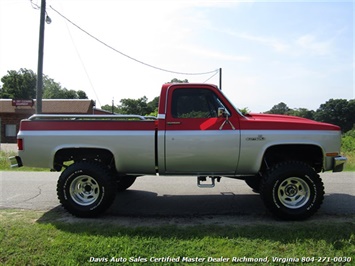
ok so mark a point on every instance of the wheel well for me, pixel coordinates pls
(80, 154)
(310, 154)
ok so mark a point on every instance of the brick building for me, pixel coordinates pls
(11, 113)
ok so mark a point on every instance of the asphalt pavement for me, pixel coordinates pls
(154, 196)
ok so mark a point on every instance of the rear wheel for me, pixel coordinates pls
(86, 189)
(292, 191)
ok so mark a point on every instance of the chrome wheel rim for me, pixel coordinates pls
(293, 192)
(84, 190)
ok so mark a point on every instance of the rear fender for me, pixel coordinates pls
(65, 154)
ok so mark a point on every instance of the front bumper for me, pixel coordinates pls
(339, 163)
(15, 161)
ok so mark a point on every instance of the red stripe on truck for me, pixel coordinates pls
(87, 125)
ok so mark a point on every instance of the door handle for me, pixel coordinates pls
(173, 123)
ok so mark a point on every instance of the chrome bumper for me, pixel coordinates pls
(339, 163)
(15, 161)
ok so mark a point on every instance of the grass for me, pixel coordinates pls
(38, 238)
(5, 163)
(350, 164)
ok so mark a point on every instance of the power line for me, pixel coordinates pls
(83, 65)
(211, 76)
(34, 5)
(130, 57)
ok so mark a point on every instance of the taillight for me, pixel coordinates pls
(20, 144)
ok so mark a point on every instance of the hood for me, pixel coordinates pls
(285, 122)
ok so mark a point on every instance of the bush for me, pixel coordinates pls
(348, 149)
(348, 141)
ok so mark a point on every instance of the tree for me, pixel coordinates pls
(153, 105)
(19, 84)
(338, 112)
(175, 80)
(348, 141)
(131, 106)
(108, 107)
(280, 109)
(22, 85)
(53, 90)
(244, 110)
(302, 112)
(139, 106)
(81, 94)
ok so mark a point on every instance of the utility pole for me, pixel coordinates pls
(39, 87)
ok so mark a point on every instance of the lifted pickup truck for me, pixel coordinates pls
(197, 132)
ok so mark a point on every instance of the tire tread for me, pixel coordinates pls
(288, 167)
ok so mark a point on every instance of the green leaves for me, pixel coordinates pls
(22, 85)
(19, 84)
(139, 106)
(339, 112)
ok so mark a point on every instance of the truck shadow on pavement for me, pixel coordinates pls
(137, 202)
(135, 208)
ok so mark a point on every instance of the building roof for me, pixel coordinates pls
(51, 106)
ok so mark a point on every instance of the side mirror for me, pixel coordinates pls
(222, 112)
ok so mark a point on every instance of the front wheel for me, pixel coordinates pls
(292, 191)
(86, 189)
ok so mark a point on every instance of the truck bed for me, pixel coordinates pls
(131, 140)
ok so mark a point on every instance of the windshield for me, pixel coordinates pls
(238, 111)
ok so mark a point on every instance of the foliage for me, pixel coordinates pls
(52, 238)
(22, 85)
(335, 111)
(339, 112)
(302, 112)
(131, 106)
(348, 141)
(175, 80)
(348, 149)
(280, 109)
(244, 110)
(19, 84)
(350, 133)
(139, 106)
(195, 114)
(350, 163)
(53, 90)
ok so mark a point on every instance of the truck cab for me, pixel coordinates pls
(194, 121)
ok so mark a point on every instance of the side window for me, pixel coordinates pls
(193, 103)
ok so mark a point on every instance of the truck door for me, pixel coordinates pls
(197, 140)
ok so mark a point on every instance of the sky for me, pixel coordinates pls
(297, 52)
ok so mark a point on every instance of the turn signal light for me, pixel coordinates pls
(331, 154)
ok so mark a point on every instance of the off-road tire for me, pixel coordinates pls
(86, 189)
(292, 190)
